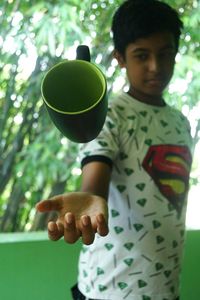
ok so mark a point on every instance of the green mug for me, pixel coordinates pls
(75, 95)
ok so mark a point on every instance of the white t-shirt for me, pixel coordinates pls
(148, 147)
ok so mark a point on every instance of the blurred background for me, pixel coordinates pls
(36, 161)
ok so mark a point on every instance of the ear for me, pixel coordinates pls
(120, 59)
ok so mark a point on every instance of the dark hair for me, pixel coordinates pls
(140, 18)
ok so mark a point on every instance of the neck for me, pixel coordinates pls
(156, 100)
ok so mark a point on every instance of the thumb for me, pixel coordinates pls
(52, 204)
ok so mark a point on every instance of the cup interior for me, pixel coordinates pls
(73, 87)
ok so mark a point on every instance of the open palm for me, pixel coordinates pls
(79, 214)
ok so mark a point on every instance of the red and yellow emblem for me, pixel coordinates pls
(169, 166)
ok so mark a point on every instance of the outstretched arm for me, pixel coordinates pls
(81, 213)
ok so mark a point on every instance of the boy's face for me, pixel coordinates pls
(149, 64)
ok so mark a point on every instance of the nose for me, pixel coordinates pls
(154, 64)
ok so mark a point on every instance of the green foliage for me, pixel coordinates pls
(35, 160)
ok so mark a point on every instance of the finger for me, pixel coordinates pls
(71, 234)
(102, 226)
(88, 233)
(54, 203)
(54, 232)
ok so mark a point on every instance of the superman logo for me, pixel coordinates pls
(169, 166)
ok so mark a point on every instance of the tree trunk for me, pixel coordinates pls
(9, 220)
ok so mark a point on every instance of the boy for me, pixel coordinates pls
(136, 171)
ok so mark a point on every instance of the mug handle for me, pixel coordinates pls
(83, 53)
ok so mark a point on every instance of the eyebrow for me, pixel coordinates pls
(139, 50)
(166, 47)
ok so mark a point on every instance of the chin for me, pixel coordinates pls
(155, 92)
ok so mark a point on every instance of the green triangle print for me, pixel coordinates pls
(120, 107)
(142, 283)
(131, 118)
(144, 129)
(84, 249)
(110, 125)
(172, 289)
(88, 289)
(103, 144)
(129, 246)
(142, 202)
(174, 244)
(178, 131)
(144, 297)
(86, 153)
(109, 246)
(163, 123)
(176, 260)
(143, 113)
(122, 285)
(85, 274)
(102, 288)
(100, 271)
(128, 261)
(170, 207)
(140, 186)
(167, 273)
(128, 171)
(123, 156)
(158, 266)
(121, 188)
(160, 239)
(148, 142)
(156, 224)
(138, 227)
(114, 213)
(130, 132)
(118, 229)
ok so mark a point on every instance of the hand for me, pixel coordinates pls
(79, 214)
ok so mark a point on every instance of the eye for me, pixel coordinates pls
(167, 54)
(142, 56)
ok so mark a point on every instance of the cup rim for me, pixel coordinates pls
(95, 68)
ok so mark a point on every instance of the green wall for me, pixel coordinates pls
(190, 285)
(33, 268)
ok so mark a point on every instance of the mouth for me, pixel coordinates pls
(155, 81)
(156, 84)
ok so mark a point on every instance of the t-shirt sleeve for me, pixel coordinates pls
(183, 121)
(118, 130)
(106, 146)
